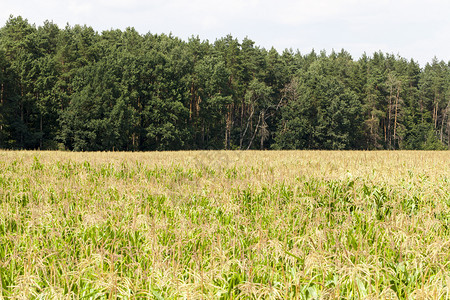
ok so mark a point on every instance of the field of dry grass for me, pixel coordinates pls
(225, 225)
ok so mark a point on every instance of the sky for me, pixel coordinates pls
(413, 29)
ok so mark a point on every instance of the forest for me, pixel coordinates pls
(77, 89)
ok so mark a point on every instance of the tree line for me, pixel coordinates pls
(77, 89)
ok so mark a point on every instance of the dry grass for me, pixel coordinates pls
(230, 225)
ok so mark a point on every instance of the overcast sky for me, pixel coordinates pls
(418, 29)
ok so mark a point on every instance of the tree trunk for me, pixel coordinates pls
(226, 135)
(42, 134)
(203, 135)
(254, 133)
(241, 124)
(228, 128)
(435, 111)
(1, 93)
(421, 109)
(448, 129)
(445, 115)
(191, 102)
(262, 132)
(389, 119)
(21, 115)
(262, 142)
(246, 127)
(396, 113)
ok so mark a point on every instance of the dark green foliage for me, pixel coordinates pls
(326, 112)
(76, 89)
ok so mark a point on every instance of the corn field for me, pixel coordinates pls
(225, 225)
